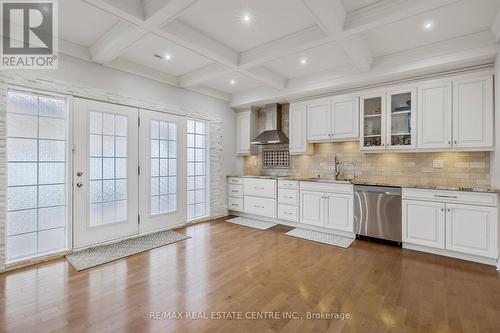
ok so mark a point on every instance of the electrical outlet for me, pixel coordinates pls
(437, 164)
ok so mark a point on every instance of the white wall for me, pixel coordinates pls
(495, 156)
(88, 74)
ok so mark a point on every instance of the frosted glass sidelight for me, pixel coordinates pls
(22, 126)
(51, 173)
(37, 217)
(22, 103)
(22, 150)
(163, 166)
(108, 168)
(52, 128)
(196, 169)
(52, 217)
(21, 222)
(22, 174)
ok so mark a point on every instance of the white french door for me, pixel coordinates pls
(162, 155)
(105, 176)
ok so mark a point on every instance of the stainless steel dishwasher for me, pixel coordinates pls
(377, 212)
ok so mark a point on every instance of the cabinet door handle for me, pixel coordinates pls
(445, 196)
(234, 191)
(442, 209)
(449, 209)
(287, 197)
(449, 142)
(455, 142)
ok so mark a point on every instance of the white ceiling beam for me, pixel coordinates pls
(123, 34)
(495, 27)
(182, 34)
(388, 11)
(265, 76)
(330, 15)
(470, 50)
(203, 74)
(297, 42)
(211, 92)
(144, 71)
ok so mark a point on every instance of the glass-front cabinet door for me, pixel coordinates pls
(373, 121)
(400, 132)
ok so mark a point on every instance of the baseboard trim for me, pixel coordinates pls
(452, 254)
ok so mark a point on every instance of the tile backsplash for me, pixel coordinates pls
(450, 168)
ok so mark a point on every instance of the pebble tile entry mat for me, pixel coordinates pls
(321, 237)
(102, 254)
(246, 222)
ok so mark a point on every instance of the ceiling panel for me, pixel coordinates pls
(241, 83)
(76, 26)
(352, 5)
(270, 20)
(318, 59)
(182, 60)
(451, 21)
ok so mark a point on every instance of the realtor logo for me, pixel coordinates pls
(29, 31)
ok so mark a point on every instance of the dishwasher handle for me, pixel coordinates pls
(378, 190)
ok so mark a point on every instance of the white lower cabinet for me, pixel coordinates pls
(312, 207)
(424, 223)
(339, 212)
(472, 230)
(434, 219)
(322, 208)
(260, 206)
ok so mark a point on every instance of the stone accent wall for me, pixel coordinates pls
(463, 169)
(218, 205)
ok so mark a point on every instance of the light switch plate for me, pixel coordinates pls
(437, 164)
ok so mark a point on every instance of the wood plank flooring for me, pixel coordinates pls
(225, 267)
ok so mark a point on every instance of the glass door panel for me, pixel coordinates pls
(400, 119)
(105, 176)
(197, 169)
(373, 122)
(162, 190)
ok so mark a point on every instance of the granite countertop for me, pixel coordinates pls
(479, 189)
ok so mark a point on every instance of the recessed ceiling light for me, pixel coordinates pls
(246, 18)
(232, 82)
(303, 61)
(428, 25)
(167, 57)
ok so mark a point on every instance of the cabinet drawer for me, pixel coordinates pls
(260, 206)
(486, 199)
(327, 187)
(235, 204)
(288, 197)
(235, 180)
(289, 213)
(288, 184)
(235, 191)
(260, 187)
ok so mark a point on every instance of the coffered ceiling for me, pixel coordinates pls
(258, 51)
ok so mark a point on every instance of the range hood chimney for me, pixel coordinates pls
(272, 133)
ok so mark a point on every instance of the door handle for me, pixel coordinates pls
(79, 174)
(79, 184)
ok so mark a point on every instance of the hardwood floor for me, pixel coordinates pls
(225, 267)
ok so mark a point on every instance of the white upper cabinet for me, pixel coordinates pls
(297, 129)
(345, 118)
(434, 115)
(373, 121)
(319, 120)
(333, 119)
(473, 112)
(400, 128)
(246, 130)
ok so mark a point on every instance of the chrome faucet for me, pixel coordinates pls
(337, 167)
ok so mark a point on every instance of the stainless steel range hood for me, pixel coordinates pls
(272, 133)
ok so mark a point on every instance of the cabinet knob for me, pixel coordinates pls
(455, 142)
(449, 209)
(442, 209)
(449, 142)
